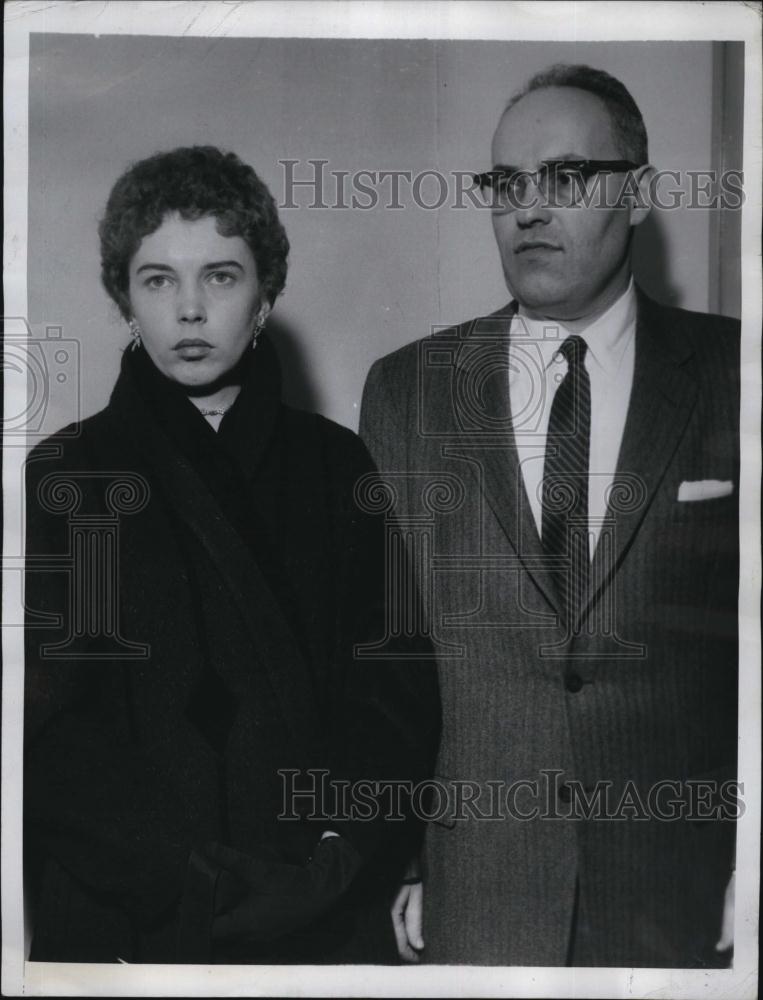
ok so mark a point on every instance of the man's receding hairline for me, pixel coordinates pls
(517, 99)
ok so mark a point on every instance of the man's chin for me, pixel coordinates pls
(543, 298)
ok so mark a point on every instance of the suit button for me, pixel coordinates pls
(573, 683)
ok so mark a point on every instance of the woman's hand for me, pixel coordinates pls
(407, 919)
(261, 898)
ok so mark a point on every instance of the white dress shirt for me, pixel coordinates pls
(536, 368)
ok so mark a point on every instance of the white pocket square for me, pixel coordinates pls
(705, 489)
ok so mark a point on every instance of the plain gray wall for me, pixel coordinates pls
(361, 283)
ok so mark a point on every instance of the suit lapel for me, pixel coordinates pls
(498, 462)
(662, 399)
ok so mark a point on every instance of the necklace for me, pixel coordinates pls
(218, 412)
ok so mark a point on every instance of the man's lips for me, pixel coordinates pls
(535, 245)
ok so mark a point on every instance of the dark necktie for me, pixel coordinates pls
(564, 528)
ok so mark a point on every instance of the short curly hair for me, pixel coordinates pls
(627, 122)
(195, 182)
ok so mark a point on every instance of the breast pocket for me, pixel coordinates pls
(716, 510)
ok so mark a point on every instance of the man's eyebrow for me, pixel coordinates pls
(565, 156)
(509, 168)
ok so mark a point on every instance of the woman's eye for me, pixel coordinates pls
(222, 278)
(157, 281)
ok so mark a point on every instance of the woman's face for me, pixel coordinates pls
(195, 296)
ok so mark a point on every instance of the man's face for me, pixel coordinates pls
(563, 263)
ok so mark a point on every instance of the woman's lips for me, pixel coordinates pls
(192, 350)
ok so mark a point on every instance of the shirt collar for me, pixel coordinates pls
(607, 337)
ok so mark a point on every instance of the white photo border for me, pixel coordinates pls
(434, 20)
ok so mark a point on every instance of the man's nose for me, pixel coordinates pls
(190, 304)
(532, 208)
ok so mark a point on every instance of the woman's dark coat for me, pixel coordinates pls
(209, 648)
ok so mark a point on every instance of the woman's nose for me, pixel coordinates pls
(191, 306)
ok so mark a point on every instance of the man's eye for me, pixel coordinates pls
(564, 178)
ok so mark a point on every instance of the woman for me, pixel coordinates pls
(195, 667)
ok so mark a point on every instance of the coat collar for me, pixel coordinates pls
(245, 431)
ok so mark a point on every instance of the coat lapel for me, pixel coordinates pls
(261, 614)
(662, 398)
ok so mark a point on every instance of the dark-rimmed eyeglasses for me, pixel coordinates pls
(560, 183)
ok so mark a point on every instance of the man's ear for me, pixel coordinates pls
(636, 195)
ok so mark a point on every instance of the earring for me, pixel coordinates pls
(259, 324)
(135, 334)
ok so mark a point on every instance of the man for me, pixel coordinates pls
(582, 570)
